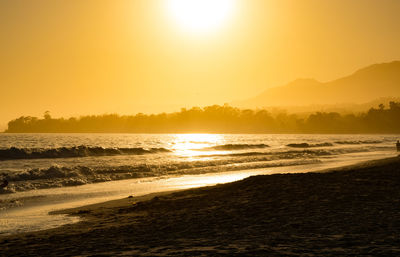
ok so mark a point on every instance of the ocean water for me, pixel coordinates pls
(53, 171)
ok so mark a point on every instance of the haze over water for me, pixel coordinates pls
(93, 56)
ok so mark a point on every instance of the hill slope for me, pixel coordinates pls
(367, 84)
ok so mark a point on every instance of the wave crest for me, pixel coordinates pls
(228, 147)
(307, 145)
(14, 153)
(358, 142)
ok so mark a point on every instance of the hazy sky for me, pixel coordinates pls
(75, 57)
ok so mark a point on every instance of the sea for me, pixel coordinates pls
(49, 172)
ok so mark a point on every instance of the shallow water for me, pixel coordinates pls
(39, 161)
(40, 185)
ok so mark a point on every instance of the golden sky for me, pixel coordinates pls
(75, 57)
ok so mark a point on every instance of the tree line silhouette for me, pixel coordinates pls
(217, 119)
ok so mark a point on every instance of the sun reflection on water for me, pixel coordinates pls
(191, 145)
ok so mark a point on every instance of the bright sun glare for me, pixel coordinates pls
(198, 16)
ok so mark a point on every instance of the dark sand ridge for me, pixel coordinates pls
(349, 211)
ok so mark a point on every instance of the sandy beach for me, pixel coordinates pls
(349, 211)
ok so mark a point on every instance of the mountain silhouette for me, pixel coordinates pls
(367, 84)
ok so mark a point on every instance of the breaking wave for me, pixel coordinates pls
(298, 153)
(358, 142)
(306, 145)
(14, 153)
(60, 176)
(229, 147)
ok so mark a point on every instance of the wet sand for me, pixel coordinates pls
(353, 210)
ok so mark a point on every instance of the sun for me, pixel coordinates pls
(199, 16)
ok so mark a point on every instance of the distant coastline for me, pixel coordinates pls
(219, 119)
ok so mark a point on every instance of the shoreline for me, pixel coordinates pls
(131, 199)
(329, 212)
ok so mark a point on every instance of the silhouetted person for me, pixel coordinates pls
(398, 146)
(4, 184)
